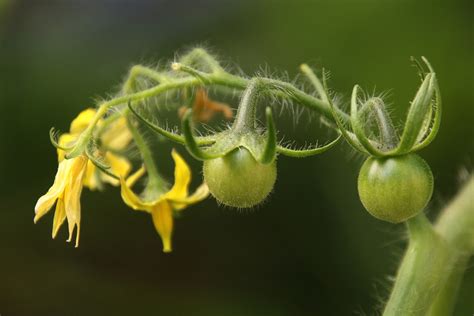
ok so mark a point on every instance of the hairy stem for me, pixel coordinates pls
(139, 70)
(154, 178)
(198, 78)
(456, 225)
(246, 112)
(435, 261)
(422, 272)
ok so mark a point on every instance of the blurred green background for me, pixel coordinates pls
(310, 250)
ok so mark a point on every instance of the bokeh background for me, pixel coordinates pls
(311, 249)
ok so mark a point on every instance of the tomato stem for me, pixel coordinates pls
(422, 271)
(435, 261)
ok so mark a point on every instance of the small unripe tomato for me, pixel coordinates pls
(395, 188)
(238, 180)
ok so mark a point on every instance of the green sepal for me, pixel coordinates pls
(98, 163)
(430, 133)
(189, 139)
(226, 142)
(358, 127)
(301, 153)
(421, 71)
(305, 69)
(79, 147)
(53, 135)
(416, 115)
(387, 133)
(201, 140)
(269, 151)
(342, 129)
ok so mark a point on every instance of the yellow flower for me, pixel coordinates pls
(74, 173)
(118, 165)
(66, 191)
(115, 137)
(80, 123)
(161, 208)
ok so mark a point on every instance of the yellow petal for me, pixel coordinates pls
(129, 197)
(182, 178)
(162, 216)
(117, 136)
(135, 176)
(118, 165)
(59, 216)
(91, 180)
(45, 202)
(200, 194)
(72, 196)
(80, 123)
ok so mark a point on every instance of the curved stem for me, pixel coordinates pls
(277, 87)
(200, 56)
(154, 178)
(139, 70)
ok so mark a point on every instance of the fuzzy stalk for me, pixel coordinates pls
(456, 225)
(246, 113)
(422, 271)
(435, 261)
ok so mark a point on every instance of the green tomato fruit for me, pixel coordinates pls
(238, 180)
(395, 188)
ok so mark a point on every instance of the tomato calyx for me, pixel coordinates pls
(421, 125)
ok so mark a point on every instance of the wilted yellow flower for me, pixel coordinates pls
(204, 109)
(161, 208)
